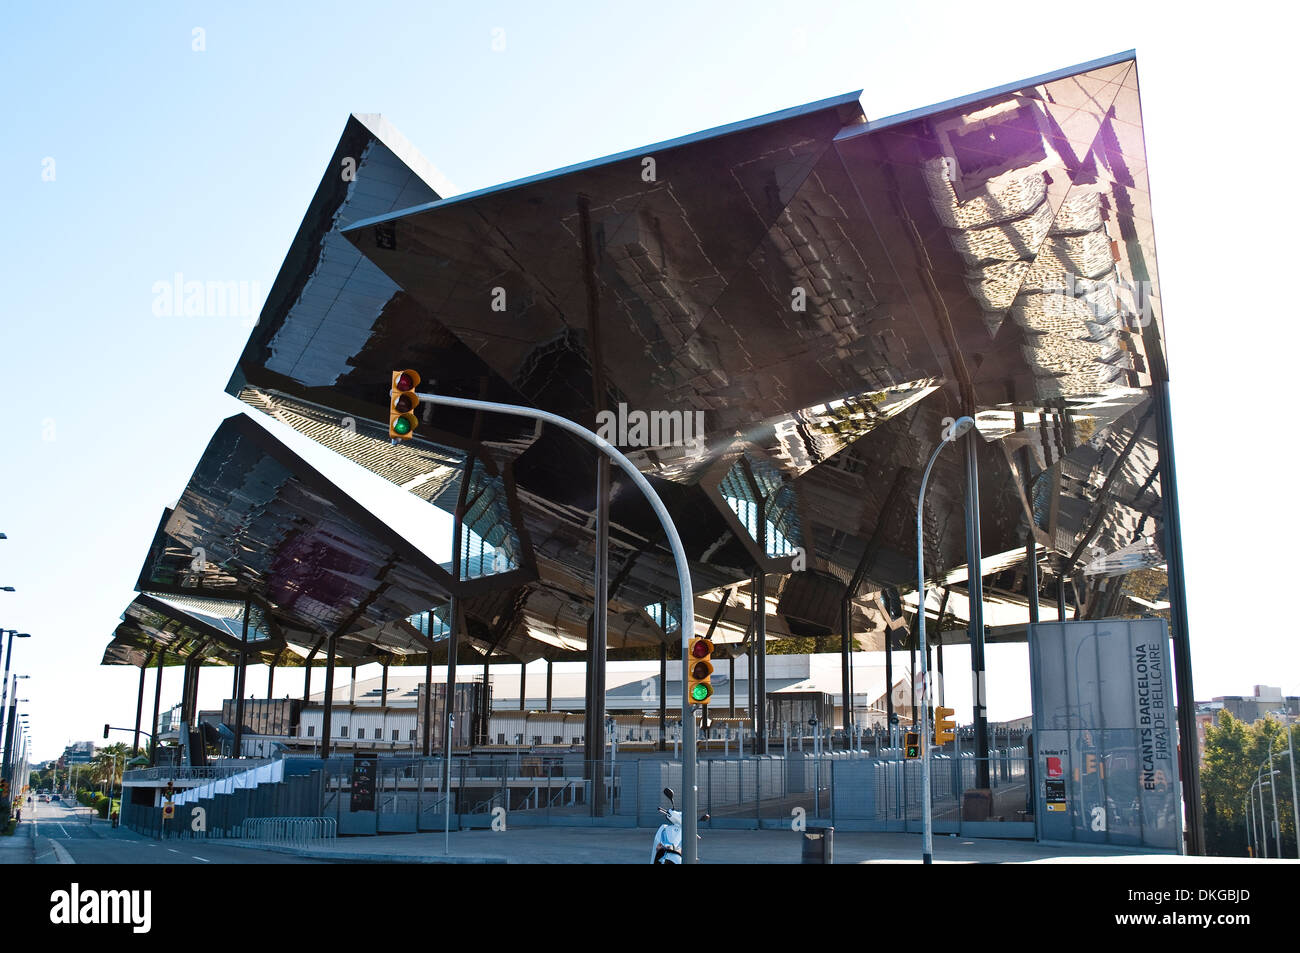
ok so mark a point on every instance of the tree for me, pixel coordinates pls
(1234, 753)
(108, 764)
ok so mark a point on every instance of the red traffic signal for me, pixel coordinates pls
(402, 402)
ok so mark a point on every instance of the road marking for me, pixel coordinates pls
(173, 850)
(204, 859)
(65, 833)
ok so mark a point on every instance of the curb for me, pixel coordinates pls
(50, 851)
(361, 856)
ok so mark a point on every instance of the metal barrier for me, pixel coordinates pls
(289, 831)
(188, 772)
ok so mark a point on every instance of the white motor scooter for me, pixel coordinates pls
(667, 845)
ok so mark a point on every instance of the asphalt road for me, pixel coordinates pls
(91, 841)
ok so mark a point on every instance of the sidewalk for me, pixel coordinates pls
(19, 848)
(578, 845)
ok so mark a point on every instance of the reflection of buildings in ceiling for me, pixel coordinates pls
(1038, 197)
(788, 281)
(256, 522)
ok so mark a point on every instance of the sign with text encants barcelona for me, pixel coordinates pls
(1105, 740)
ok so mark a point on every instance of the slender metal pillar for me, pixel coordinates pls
(187, 675)
(750, 695)
(139, 708)
(846, 664)
(383, 685)
(1031, 576)
(450, 699)
(306, 675)
(663, 691)
(329, 697)
(1060, 597)
(549, 665)
(731, 686)
(939, 655)
(523, 685)
(599, 642)
(426, 743)
(1186, 700)
(759, 594)
(270, 679)
(889, 680)
(594, 747)
(157, 701)
(975, 589)
(911, 675)
(241, 676)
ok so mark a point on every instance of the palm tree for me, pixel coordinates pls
(108, 764)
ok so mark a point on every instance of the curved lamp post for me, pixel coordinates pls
(959, 428)
(689, 800)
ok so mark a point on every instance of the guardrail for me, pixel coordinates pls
(188, 773)
(291, 831)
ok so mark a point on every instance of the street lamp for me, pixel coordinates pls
(690, 791)
(958, 429)
(4, 693)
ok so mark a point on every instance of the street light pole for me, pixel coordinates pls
(958, 428)
(4, 693)
(690, 817)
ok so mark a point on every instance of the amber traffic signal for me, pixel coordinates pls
(912, 744)
(699, 683)
(944, 727)
(402, 402)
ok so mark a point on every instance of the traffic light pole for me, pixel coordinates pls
(690, 815)
(960, 427)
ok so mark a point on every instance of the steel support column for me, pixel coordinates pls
(663, 690)
(241, 676)
(975, 589)
(759, 594)
(1031, 576)
(1179, 629)
(139, 708)
(523, 685)
(889, 679)
(329, 697)
(846, 665)
(549, 665)
(157, 701)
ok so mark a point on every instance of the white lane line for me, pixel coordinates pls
(65, 833)
(173, 850)
(204, 859)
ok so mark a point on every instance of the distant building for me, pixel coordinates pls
(1250, 708)
(79, 752)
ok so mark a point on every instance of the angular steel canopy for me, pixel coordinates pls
(825, 290)
(257, 525)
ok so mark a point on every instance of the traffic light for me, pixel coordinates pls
(700, 683)
(105, 731)
(402, 402)
(912, 745)
(169, 810)
(169, 791)
(4, 788)
(944, 728)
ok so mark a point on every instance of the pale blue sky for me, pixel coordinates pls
(168, 159)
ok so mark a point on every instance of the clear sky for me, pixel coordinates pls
(129, 156)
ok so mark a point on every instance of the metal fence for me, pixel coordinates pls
(870, 789)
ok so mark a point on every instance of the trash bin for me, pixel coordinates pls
(819, 845)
